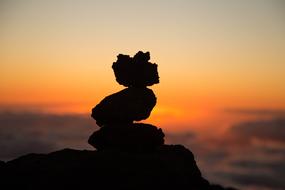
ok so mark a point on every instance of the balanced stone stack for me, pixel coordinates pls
(116, 113)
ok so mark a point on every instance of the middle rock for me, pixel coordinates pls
(125, 106)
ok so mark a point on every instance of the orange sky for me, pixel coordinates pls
(56, 56)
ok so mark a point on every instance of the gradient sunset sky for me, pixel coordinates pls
(222, 78)
(56, 55)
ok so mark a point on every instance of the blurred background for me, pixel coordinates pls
(221, 65)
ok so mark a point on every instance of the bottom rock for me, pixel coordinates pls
(167, 167)
(134, 136)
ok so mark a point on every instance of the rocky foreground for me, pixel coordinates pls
(166, 167)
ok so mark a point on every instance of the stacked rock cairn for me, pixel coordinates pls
(116, 114)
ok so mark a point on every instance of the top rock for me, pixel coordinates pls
(135, 71)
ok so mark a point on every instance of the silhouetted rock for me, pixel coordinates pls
(136, 71)
(168, 167)
(219, 187)
(126, 106)
(117, 112)
(131, 137)
(1, 164)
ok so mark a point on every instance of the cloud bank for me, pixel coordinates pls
(249, 155)
(25, 132)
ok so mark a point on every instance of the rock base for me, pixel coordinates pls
(168, 167)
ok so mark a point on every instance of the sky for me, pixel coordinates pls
(221, 65)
